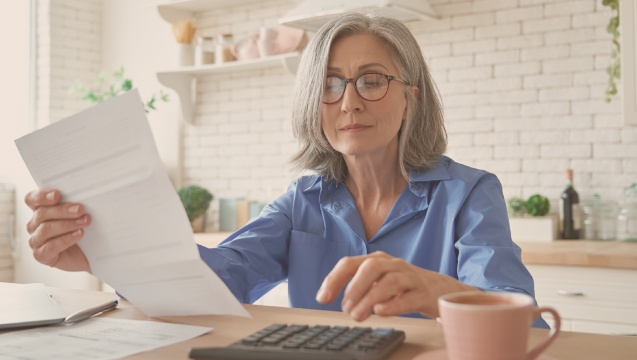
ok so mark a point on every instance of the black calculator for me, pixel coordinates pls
(321, 342)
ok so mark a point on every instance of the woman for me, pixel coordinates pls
(386, 212)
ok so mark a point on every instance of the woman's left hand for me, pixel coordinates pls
(387, 286)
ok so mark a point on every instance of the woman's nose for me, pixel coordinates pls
(351, 101)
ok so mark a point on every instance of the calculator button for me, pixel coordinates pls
(313, 346)
(382, 332)
(275, 327)
(250, 340)
(271, 340)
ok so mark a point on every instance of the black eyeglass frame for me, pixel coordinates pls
(354, 80)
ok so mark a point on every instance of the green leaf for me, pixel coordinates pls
(127, 85)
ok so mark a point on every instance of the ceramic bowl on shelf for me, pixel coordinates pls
(290, 39)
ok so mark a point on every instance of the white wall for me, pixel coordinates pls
(522, 83)
(135, 36)
(67, 48)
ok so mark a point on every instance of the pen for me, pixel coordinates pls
(85, 314)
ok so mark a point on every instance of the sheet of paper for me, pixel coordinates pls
(95, 339)
(140, 241)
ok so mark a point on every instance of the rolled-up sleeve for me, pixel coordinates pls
(487, 257)
(254, 259)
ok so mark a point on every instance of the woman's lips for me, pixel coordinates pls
(354, 128)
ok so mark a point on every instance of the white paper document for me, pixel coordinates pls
(140, 241)
(95, 339)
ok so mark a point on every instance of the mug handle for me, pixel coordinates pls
(552, 335)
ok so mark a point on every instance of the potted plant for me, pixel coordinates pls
(196, 201)
(529, 220)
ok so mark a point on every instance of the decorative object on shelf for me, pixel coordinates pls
(537, 205)
(614, 69)
(529, 221)
(516, 206)
(223, 52)
(267, 42)
(627, 219)
(246, 48)
(204, 51)
(290, 39)
(184, 32)
(599, 219)
(103, 89)
(196, 201)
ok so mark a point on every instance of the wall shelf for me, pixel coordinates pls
(183, 80)
(178, 10)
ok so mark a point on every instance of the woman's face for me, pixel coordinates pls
(355, 126)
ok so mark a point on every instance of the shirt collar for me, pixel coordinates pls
(438, 172)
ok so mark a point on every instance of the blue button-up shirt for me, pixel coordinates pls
(451, 219)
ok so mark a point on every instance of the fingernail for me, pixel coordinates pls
(81, 220)
(321, 296)
(74, 209)
(50, 196)
(357, 313)
(347, 306)
(77, 232)
(379, 308)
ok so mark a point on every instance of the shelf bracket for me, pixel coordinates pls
(184, 85)
(291, 63)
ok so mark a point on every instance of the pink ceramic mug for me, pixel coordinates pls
(491, 325)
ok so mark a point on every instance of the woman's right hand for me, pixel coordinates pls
(55, 229)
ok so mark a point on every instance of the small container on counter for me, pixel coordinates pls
(627, 218)
(599, 219)
(223, 51)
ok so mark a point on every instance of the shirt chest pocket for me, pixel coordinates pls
(312, 257)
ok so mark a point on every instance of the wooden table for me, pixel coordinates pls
(422, 335)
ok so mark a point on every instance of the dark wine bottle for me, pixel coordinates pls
(569, 210)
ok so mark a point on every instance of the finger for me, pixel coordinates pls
(371, 270)
(49, 253)
(55, 228)
(390, 285)
(42, 197)
(56, 212)
(344, 270)
(402, 303)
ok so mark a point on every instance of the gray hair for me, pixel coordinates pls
(422, 137)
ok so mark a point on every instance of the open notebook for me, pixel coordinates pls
(23, 305)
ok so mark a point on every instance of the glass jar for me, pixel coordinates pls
(205, 51)
(599, 219)
(223, 52)
(627, 218)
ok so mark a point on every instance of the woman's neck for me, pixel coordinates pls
(375, 178)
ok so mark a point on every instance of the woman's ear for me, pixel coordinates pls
(413, 90)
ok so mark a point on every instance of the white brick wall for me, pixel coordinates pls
(68, 48)
(7, 208)
(522, 82)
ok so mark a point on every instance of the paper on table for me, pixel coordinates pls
(140, 240)
(96, 339)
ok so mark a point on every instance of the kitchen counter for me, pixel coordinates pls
(606, 254)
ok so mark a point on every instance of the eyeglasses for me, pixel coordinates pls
(370, 87)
